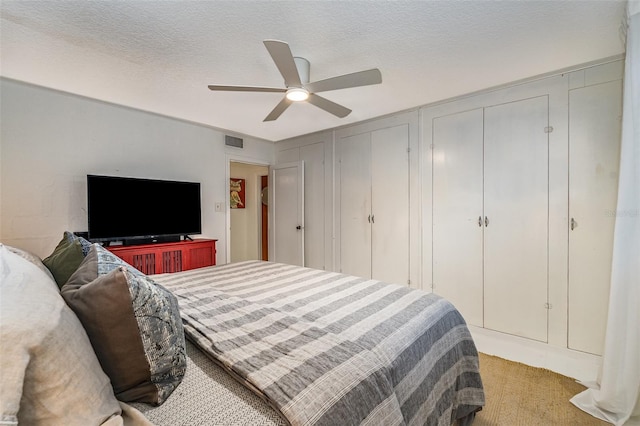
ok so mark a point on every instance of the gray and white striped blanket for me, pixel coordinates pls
(331, 349)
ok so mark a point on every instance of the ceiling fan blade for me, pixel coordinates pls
(278, 110)
(246, 88)
(282, 56)
(361, 78)
(327, 105)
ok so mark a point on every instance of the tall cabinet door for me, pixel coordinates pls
(390, 204)
(516, 216)
(457, 212)
(355, 204)
(594, 154)
(374, 204)
(314, 205)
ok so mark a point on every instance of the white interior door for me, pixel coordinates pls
(516, 194)
(355, 204)
(287, 215)
(594, 154)
(390, 204)
(457, 212)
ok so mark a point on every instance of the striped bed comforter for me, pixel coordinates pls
(330, 349)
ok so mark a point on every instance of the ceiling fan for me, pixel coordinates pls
(297, 86)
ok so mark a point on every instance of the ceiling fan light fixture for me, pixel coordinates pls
(297, 94)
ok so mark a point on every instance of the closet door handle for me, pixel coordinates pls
(373, 218)
(574, 224)
(480, 221)
(486, 221)
(369, 218)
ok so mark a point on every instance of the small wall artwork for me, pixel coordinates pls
(237, 198)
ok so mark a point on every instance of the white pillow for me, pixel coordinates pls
(50, 374)
(31, 258)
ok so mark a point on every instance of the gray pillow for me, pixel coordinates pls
(64, 260)
(134, 326)
(84, 244)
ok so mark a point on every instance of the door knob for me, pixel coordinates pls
(298, 227)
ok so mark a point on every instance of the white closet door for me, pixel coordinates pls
(516, 210)
(390, 204)
(355, 204)
(313, 158)
(594, 154)
(457, 210)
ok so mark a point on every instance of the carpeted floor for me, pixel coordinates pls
(518, 394)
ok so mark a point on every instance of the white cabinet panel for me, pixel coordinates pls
(516, 191)
(457, 209)
(355, 205)
(314, 204)
(594, 146)
(390, 204)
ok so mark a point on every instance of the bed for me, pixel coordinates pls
(96, 342)
(321, 348)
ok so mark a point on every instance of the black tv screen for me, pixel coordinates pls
(121, 208)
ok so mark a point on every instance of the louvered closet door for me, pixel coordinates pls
(355, 204)
(457, 212)
(516, 181)
(390, 204)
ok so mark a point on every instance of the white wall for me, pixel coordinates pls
(245, 223)
(51, 140)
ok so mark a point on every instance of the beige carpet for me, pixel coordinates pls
(518, 394)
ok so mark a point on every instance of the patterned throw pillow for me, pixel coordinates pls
(134, 326)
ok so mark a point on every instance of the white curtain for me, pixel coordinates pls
(616, 397)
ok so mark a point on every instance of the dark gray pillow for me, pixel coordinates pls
(84, 244)
(66, 257)
(134, 326)
(64, 260)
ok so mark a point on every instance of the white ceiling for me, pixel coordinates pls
(160, 56)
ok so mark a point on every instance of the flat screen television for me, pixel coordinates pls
(136, 211)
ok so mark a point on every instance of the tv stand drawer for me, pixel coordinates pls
(168, 257)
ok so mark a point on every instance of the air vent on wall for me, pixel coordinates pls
(233, 141)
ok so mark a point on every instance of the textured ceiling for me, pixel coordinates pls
(159, 56)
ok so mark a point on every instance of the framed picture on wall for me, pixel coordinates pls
(237, 197)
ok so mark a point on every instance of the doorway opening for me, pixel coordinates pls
(248, 229)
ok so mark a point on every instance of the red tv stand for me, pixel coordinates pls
(168, 257)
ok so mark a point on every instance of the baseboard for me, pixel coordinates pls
(578, 365)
